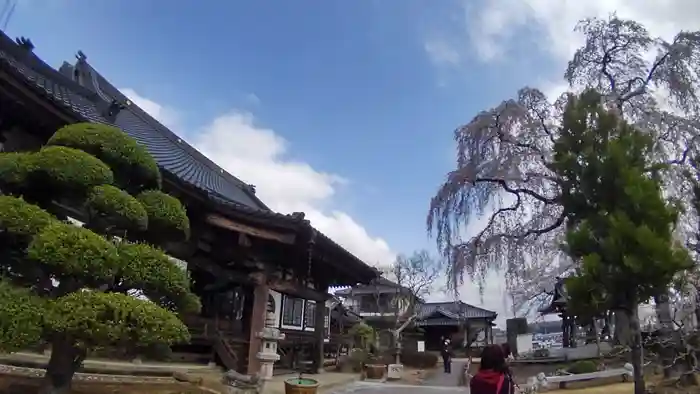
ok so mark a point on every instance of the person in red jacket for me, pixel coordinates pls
(493, 376)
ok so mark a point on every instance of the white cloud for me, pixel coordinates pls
(492, 26)
(166, 116)
(441, 53)
(258, 155)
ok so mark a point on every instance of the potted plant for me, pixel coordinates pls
(365, 337)
(300, 385)
(374, 367)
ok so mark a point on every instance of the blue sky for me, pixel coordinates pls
(348, 86)
(352, 104)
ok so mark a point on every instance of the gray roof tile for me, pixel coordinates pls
(172, 153)
(455, 310)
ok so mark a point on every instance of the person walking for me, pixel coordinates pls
(494, 375)
(446, 354)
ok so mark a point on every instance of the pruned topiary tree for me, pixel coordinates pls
(70, 286)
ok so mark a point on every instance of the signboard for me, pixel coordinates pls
(421, 346)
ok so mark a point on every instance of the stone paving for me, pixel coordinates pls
(438, 383)
(389, 388)
(442, 379)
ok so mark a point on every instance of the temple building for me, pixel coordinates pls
(383, 303)
(263, 277)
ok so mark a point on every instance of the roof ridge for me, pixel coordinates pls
(37, 64)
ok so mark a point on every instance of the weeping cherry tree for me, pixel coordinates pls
(503, 170)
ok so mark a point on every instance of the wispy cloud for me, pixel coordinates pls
(442, 53)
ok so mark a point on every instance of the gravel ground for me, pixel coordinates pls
(388, 388)
(86, 377)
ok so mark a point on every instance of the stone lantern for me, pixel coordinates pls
(270, 335)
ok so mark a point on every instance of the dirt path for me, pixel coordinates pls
(618, 388)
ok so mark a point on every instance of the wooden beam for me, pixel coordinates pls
(220, 272)
(228, 224)
(291, 288)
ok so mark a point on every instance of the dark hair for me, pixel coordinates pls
(506, 350)
(492, 358)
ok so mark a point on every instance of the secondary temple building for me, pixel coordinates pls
(263, 277)
(383, 304)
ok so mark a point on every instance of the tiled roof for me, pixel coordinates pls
(50, 87)
(170, 151)
(454, 310)
(173, 154)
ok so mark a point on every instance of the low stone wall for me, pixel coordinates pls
(580, 353)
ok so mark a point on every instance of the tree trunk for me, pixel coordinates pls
(594, 324)
(605, 331)
(65, 360)
(572, 332)
(697, 308)
(397, 346)
(667, 339)
(637, 356)
(622, 328)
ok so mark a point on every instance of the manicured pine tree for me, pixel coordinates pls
(71, 286)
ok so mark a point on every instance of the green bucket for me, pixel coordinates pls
(300, 386)
(302, 382)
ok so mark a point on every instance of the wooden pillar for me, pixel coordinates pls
(320, 333)
(257, 321)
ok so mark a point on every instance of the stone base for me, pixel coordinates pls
(394, 371)
(238, 390)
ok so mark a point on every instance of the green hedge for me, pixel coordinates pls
(145, 267)
(21, 317)
(135, 169)
(74, 252)
(20, 218)
(166, 215)
(420, 360)
(116, 207)
(15, 169)
(114, 318)
(583, 366)
(69, 170)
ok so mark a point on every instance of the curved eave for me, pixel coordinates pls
(346, 261)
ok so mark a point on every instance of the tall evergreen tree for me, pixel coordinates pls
(619, 226)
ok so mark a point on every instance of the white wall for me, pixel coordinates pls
(277, 296)
(524, 343)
